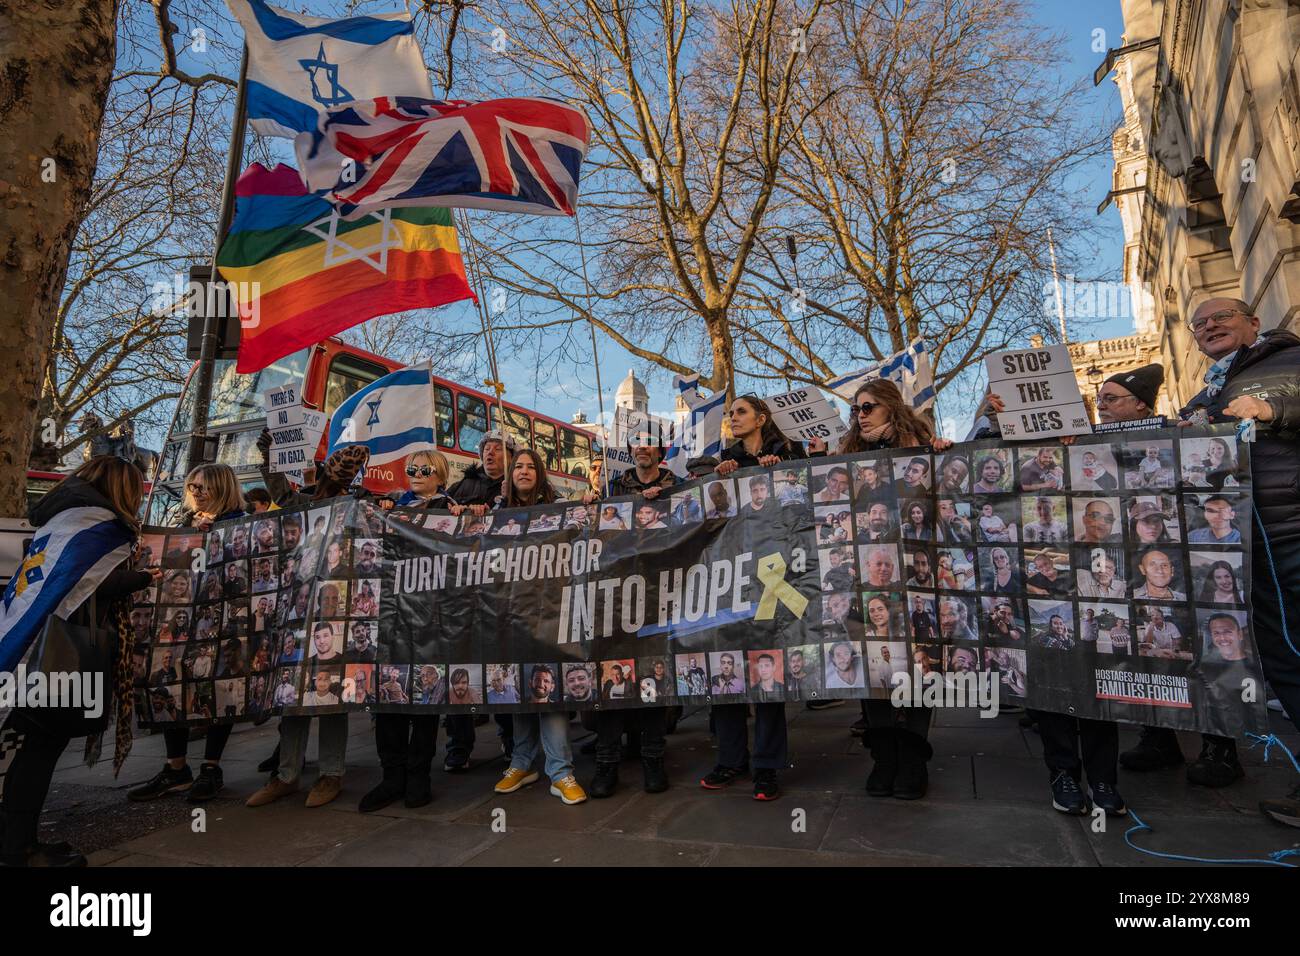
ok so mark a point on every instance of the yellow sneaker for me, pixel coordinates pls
(515, 778)
(569, 791)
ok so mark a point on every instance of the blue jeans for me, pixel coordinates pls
(332, 745)
(553, 729)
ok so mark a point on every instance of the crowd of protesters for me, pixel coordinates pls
(1253, 375)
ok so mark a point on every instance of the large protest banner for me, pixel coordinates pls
(1105, 579)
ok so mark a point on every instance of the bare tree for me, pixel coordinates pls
(920, 192)
(681, 96)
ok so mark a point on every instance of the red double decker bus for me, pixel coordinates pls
(329, 373)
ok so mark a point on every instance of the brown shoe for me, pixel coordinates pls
(326, 789)
(272, 792)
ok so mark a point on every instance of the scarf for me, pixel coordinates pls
(123, 677)
(879, 433)
(1216, 376)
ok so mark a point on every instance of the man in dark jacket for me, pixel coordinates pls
(1257, 376)
(480, 485)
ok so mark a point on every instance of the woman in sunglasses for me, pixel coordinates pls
(406, 742)
(896, 736)
(212, 494)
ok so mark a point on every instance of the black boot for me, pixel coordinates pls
(656, 779)
(272, 763)
(419, 791)
(913, 778)
(1157, 748)
(1217, 766)
(605, 782)
(391, 789)
(883, 742)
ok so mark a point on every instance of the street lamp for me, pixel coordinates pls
(1095, 375)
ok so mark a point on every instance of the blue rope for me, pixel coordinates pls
(1274, 859)
(1269, 742)
(1272, 568)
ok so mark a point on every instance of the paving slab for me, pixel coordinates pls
(409, 842)
(795, 821)
(282, 834)
(538, 848)
(934, 831)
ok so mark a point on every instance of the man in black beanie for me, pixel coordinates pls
(1130, 396)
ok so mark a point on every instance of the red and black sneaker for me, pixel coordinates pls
(720, 777)
(765, 785)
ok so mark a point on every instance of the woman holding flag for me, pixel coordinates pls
(76, 573)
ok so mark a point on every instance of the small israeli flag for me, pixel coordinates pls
(909, 369)
(69, 557)
(299, 66)
(702, 434)
(392, 416)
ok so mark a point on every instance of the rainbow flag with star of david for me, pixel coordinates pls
(69, 557)
(300, 273)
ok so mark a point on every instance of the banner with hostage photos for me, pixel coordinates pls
(1106, 579)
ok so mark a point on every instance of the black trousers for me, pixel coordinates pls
(1281, 665)
(649, 722)
(406, 743)
(178, 742)
(731, 724)
(1065, 736)
(883, 715)
(28, 756)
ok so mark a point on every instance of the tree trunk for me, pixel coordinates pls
(56, 61)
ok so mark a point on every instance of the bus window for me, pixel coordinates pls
(473, 422)
(169, 469)
(517, 426)
(238, 398)
(575, 452)
(546, 444)
(443, 416)
(348, 374)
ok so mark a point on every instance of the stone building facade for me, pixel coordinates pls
(1207, 170)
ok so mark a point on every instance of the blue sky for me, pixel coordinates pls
(1075, 21)
(574, 387)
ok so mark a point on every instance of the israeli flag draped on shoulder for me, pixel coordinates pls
(909, 369)
(69, 557)
(702, 434)
(299, 66)
(392, 416)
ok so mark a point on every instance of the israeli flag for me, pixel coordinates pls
(909, 369)
(392, 416)
(299, 66)
(67, 560)
(701, 436)
(688, 386)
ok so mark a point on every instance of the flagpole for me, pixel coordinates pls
(595, 357)
(485, 320)
(208, 347)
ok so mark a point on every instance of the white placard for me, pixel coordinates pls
(1039, 393)
(292, 440)
(805, 414)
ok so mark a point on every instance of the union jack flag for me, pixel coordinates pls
(520, 154)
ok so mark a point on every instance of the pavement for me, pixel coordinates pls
(989, 804)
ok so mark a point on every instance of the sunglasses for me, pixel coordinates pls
(424, 471)
(864, 408)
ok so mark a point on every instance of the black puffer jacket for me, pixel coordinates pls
(72, 492)
(780, 446)
(1270, 371)
(475, 487)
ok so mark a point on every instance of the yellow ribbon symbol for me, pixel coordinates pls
(771, 572)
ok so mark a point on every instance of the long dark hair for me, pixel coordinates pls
(910, 428)
(542, 494)
(768, 432)
(1208, 589)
